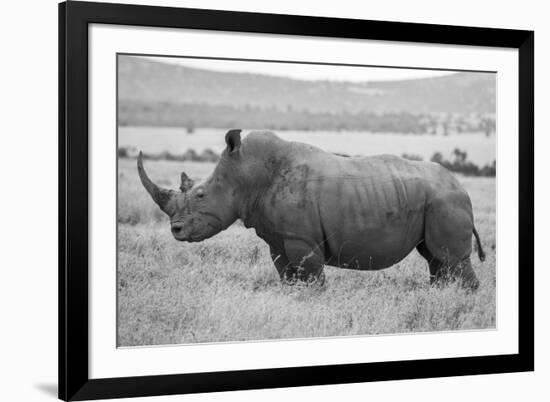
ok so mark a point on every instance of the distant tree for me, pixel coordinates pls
(445, 128)
(190, 126)
(437, 158)
(488, 126)
(122, 152)
(460, 164)
(209, 156)
(489, 170)
(460, 156)
(190, 155)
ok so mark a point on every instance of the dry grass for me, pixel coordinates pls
(226, 288)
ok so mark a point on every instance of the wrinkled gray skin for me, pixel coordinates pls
(314, 208)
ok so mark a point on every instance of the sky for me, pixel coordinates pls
(305, 71)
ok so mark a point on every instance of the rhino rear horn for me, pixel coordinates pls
(160, 195)
(186, 183)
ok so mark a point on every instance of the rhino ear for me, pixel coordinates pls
(186, 183)
(233, 140)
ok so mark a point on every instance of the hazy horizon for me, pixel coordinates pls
(309, 72)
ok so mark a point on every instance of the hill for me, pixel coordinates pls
(152, 81)
(153, 93)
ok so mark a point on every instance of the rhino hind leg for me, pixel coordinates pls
(448, 241)
(464, 272)
(441, 272)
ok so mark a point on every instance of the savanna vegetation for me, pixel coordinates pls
(458, 164)
(226, 289)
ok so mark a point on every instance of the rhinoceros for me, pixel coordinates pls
(315, 208)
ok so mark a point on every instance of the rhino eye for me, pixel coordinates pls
(200, 193)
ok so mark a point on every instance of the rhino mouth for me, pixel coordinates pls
(193, 233)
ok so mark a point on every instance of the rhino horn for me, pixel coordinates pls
(160, 195)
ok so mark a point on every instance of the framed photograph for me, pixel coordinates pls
(258, 201)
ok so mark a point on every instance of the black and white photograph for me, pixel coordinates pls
(273, 200)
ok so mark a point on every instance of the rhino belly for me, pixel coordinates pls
(373, 250)
(373, 241)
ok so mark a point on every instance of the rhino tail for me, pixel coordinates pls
(480, 251)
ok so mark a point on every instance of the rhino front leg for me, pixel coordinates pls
(280, 260)
(305, 263)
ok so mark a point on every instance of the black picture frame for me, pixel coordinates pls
(74, 18)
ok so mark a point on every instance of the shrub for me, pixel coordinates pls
(461, 164)
(188, 156)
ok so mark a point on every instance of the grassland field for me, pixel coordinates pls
(226, 288)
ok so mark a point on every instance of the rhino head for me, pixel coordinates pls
(199, 211)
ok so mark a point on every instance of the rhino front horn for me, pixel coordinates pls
(160, 195)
